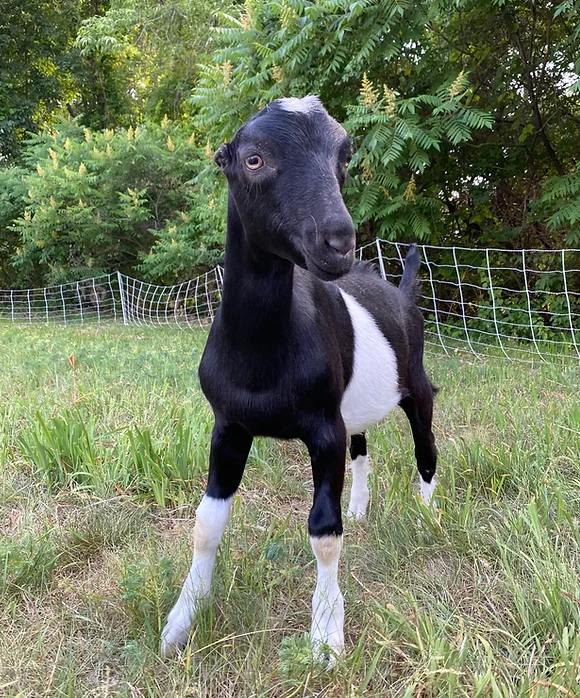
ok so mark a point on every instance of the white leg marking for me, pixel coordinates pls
(359, 493)
(327, 602)
(427, 489)
(211, 518)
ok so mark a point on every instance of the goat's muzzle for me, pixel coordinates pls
(332, 253)
(329, 263)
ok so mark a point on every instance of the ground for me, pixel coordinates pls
(104, 438)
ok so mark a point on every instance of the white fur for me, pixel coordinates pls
(373, 390)
(211, 518)
(327, 602)
(303, 106)
(359, 493)
(427, 489)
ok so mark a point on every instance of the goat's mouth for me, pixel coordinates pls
(329, 271)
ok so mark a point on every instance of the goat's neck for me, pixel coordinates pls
(257, 291)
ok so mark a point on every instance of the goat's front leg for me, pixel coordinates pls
(327, 447)
(230, 446)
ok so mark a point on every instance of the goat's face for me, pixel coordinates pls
(285, 169)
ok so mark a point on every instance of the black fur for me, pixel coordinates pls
(358, 446)
(281, 349)
(409, 282)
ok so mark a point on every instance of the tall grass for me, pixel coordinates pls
(104, 438)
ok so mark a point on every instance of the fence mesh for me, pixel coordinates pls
(520, 304)
(92, 299)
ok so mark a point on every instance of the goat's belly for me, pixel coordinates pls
(373, 390)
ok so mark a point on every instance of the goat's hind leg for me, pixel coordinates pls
(418, 407)
(229, 451)
(360, 469)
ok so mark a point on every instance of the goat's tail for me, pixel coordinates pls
(409, 282)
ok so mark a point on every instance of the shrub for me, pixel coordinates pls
(99, 200)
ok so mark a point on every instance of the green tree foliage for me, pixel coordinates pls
(523, 64)
(37, 64)
(465, 117)
(468, 106)
(154, 46)
(372, 67)
(560, 204)
(12, 192)
(111, 62)
(191, 242)
(98, 201)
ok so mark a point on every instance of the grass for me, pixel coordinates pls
(104, 440)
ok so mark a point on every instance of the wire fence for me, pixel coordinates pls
(117, 298)
(520, 304)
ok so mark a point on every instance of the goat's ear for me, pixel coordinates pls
(222, 158)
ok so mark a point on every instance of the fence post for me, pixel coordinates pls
(122, 294)
(434, 297)
(380, 255)
(63, 304)
(80, 304)
(97, 301)
(492, 294)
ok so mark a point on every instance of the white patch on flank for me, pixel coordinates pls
(427, 489)
(327, 602)
(211, 518)
(303, 106)
(359, 493)
(373, 390)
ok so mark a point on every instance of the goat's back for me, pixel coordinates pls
(394, 311)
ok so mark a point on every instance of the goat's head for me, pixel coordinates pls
(285, 168)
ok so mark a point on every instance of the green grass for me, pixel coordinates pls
(103, 459)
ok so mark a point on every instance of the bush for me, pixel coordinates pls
(100, 200)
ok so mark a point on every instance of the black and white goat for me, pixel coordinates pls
(306, 344)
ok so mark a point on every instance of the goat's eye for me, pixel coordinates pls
(253, 162)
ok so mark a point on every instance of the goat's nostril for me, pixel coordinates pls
(342, 245)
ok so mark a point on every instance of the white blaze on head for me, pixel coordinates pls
(304, 105)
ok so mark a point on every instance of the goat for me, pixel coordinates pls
(307, 344)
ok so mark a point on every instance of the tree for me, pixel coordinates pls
(36, 38)
(155, 48)
(460, 109)
(522, 61)
(12, 192)
(368, 62)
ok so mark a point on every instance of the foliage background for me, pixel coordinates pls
(465, 117)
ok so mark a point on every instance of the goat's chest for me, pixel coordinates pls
(271, 390)
(373, 389)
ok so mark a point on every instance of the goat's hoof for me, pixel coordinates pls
(326, 656)
(174, 637)
(356, 514)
